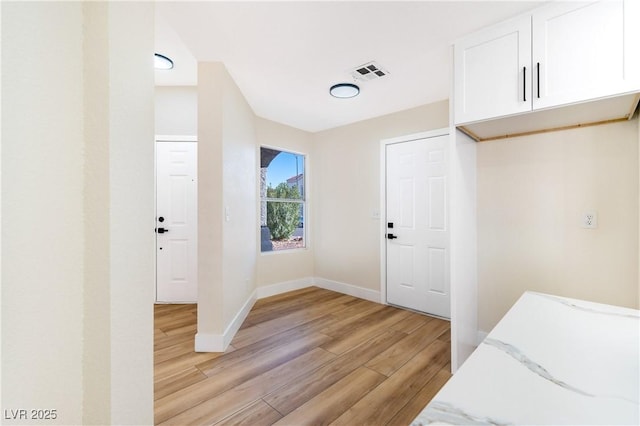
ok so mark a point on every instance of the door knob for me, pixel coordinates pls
(161, 230)
(391, 236)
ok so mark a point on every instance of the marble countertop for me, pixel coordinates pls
(550, 360)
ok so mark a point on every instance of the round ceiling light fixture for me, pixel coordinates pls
(162, 62)
(344, 90)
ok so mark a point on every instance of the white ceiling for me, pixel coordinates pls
(284, 56)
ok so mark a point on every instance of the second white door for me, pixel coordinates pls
(176, 222)
(417, 225)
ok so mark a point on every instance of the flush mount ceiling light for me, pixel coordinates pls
(161, 62)
(344, 90)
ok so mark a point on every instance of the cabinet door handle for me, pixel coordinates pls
(524, 84)
(538, 76)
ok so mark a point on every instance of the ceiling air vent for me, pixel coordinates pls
(368, 71)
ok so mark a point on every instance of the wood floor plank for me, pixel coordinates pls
(396, 356)
(328, 405)
(289, 397)
(248, 335)
(171, 318)
(257, 414)
(415, 406)
(173, 351)
(303, 339)
(227, 378)
(241, 396)
(285, 298)
(269, 328)
(263, 346)
(445, 337)
(278, 368)
(175, 365)
(258, 315)
(177, 316)
(351, 315)
(179, 323)
(166, 341)
(187, 328)
(256, 334)
(307, 314)
(363, 315)
(374, 324)
(383, 403)
(177, 381)
(162, 310)
(411, 323)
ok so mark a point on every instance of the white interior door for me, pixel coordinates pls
(176, 222)
(417, 244)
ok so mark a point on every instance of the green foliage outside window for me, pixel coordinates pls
(282, 217)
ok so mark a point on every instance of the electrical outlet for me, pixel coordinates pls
(590, 220)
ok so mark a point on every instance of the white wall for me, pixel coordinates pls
(176, 110)
(346, 191)
(97, 309)
(464, 253)
(42, 208)
(77, 208)
(288, 266)
(132, 210)
(227, 205)
(1, 275)
(240, 180)
(210, 199)
(531, 194)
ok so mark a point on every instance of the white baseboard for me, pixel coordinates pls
(351, 290)
(237, 321)
(283, 287)
(208, 342)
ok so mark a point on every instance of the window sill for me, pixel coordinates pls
(276, 252)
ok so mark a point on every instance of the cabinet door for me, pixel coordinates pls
(492, 72)
(584, 51)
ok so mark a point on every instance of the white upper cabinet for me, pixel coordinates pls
(584, 51)
(559, 54)
(493, 71)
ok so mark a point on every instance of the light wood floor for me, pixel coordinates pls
(310, 356)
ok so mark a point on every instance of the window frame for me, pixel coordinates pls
(304, 200)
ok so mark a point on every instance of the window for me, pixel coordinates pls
(282, 200)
